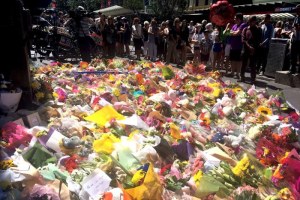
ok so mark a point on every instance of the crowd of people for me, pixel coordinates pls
(233, 48)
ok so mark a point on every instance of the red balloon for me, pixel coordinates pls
(221, 13)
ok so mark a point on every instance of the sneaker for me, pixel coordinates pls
(261, 73)
(242, 80)
(252, 82)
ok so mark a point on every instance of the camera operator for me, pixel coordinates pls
(83, 23)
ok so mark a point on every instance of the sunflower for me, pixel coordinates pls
(263, 110)
(237, 89)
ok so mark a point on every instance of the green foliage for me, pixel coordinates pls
(89, 5)
(167, 9)
(134, 5)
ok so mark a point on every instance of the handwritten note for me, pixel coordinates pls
(19, 121)
(54, 140)
(34, 120)
(96, 183)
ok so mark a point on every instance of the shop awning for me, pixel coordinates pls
(274, 16)
(114, 11)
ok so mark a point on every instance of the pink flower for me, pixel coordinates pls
(15, 135)
(62, 95)
(251, 91)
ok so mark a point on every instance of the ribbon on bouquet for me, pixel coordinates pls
(100, 72)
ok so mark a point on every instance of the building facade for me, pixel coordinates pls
(246, 6)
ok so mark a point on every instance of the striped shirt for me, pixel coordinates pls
(84, 28)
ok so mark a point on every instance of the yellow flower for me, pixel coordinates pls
(285, 194)
(55, 95)
(241, 166)
(214, 85)
(197, 177)
(138, 177)
(266, 151)
(35, 85)
(263, 110)
(199, 77)
(237, 89)
(112, 77)
(142, 87)
(6, 164)
(39, 96)
(116, 92)
(41, 133)
(216, 89)
(216, 92)
(175, 131)
(105, 144)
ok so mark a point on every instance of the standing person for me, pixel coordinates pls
(195, 40)
(205, 47)
(217, 51)
(252, 39)
(236, 45)
(166, 38)
(145, 38)
(177, 29)
(120, 37)
(153, 40)
(192, 30)
(267, 33)
(127, 35)
(278, 29)
(100, 25)
(137, 36)
(184, 36)
(83, 24)
(161, 41)
(110, 37)
(227, 48)
(172, 43)
(204, 23)
(295, 43)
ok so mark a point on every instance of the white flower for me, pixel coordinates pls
(242, 115)
(255, 131)
(227, 110)
(186, 134)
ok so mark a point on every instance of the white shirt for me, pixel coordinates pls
(137, 31)
(198, 37)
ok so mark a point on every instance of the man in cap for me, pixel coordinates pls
(83, 24)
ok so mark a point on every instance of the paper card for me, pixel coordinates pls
(34, 120)
(25, 169)
(54, 140)
(221, 155)
(96, 183)
(10, 177)
(103, 102)
(19, 121)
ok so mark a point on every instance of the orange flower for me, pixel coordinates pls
(83, 65)
(277, 174)
(276, 137)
